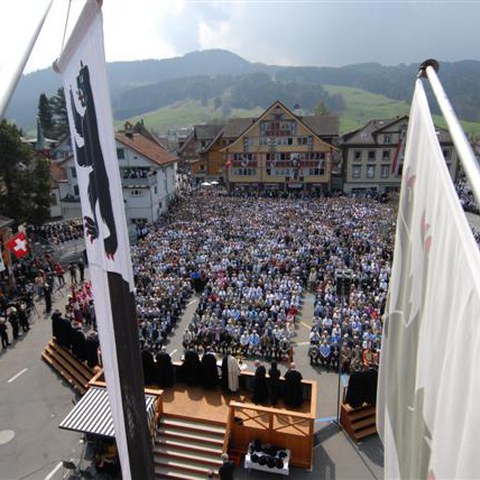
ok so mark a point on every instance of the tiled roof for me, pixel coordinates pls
(207, 132)
(147, 148)
(322, 125)
(236, 126)
(364, 135)
(5, 221)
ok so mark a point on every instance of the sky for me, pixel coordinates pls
(275, 32)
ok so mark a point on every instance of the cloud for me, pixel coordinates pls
(300, 32)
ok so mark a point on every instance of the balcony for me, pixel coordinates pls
(148, 181)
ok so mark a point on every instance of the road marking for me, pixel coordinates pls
(53, 472)
(17, 375)
(325, 419)
(174, 351)
(306, 325)
(190, 303)
(303, 343)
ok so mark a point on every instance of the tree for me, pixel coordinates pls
(59, 111)
(45, 116)
(321, 109)
(24, 179)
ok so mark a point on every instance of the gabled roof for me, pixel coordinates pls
(207, 132)
(236, 126)
(322, 125)
(367, 135)
(276, 104)
(147, 148)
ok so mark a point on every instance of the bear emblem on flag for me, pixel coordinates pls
(90, 154)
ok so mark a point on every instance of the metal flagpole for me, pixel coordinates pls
(429, 69)
(6, 90)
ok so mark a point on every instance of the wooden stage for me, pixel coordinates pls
(212, 405)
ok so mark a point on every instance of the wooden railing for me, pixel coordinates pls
(277, 426)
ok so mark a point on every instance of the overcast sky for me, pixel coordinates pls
(281, 32)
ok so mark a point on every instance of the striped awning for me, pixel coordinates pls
(92, 413)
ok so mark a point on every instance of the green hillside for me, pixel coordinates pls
(360, 107)
(186, 114)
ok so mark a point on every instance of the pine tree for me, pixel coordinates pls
(59, 110)
(45, 116)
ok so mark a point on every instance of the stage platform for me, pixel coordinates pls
(211, 405)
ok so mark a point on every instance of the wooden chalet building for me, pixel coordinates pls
(283, 152)
(373, 156)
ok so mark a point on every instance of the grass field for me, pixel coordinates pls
(361, 107)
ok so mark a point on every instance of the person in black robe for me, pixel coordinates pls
(260, 389)
(224, 373)
(191, 368)
(148, 367)
(210, 377)
(293, 394)
(78, 344)
(56, 325)
(164, 372)
(91, 349)
(274, 383)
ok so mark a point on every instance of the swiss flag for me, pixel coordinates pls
(18, 245)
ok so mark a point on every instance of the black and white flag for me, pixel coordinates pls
(82, 65)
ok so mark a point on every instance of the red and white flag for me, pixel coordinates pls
(18, 245)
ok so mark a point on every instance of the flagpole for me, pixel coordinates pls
(428, 69)
(6, 91)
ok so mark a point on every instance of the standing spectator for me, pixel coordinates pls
(81, 269)
(4, 334)
(47, 290)
(72, 268)
(227, 468)
(59, 273)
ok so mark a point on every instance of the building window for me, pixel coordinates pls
(121, 153)
(76, 192)
(136, 193)
(385, 171)
(372, 155)
(155, 190)
(244, 172)
(357, 155)
(387, 138)
(446, 153)
(370, 171)
(356, 171)
(386, 155)
(74, 173)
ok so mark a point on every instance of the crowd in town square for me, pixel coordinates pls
(58, 232)
(250, 262)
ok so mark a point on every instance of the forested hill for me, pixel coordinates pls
(231, 82)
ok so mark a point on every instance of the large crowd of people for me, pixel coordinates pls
(250, 262)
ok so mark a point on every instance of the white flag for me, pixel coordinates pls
(427, 411)
(82, 65)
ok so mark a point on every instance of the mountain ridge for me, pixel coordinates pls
(234, 82)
